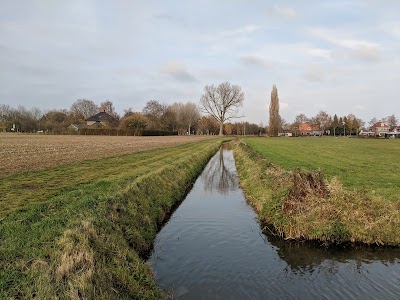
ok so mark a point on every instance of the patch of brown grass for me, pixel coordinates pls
(27, 152)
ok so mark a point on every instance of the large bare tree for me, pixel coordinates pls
(222, 102)
(84, 107)
(274, 117)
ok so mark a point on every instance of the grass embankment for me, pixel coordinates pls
(80, 231)
(302, 204)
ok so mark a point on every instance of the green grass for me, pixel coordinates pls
(361, 164)
(80, 231)
(302, 204)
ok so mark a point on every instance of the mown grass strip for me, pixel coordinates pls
(303, 205)
(37, 186)
(88, 241)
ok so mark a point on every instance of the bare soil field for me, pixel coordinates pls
(26, 152)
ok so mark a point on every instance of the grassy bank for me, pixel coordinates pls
(371, 165)
(302, 204)
(80, 231)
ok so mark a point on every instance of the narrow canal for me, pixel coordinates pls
(213, 248)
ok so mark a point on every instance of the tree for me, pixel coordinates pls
(55, 121)
(372, 122)
(222, 102)
(300, 119)
(186, 115)
(335, 124)
(135, 123)
(274, 117)
(109, 108)
(153, 111)
(351, 122)
(392, 121)
(344, 122)
(207, 125)
(323, 119)
(84, 108)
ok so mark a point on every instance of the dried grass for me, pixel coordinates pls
(27, 152)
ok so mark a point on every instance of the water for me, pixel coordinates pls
(213, 248)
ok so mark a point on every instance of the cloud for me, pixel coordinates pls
(360, 107)
(367, 53)
(286, 12)
(178, 71)
(256, 61)
(392, 28)
(314, 72)
(359, 48)
(240, 31)
(283, 105)
(319, 52)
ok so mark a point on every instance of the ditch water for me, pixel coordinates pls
(213, 248)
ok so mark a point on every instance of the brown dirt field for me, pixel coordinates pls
(26, 152)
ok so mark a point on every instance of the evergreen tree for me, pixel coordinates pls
(335, 124)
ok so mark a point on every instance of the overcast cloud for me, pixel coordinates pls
(341, 56)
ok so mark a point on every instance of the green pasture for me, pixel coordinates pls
(371, 165)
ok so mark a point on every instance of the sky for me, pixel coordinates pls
(339, 56)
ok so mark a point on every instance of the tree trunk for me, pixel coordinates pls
(221, 129)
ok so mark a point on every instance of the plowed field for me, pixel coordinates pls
(23, 152)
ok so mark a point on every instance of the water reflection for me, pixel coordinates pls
(220, 173)
(311, 256)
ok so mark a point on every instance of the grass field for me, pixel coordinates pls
(326, 189)
(80, 230)
(362, 164)
(27, 152)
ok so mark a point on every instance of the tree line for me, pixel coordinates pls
(330, 125)
(220, 103)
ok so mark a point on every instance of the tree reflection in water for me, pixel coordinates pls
(308, 259)
(220, 173)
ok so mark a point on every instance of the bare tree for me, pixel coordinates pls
(207, 125)
(323, 119)
(222, 102)
(109, 108)
(300, 119)
(186, 115)
(84, 107)
(392, 121)
(274, 117)
(373, 121)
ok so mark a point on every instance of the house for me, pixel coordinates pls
(396, 129)
(394, 133)
(306, 129)
(379, 129)
(102, 118)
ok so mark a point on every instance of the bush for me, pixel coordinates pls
(158, 132)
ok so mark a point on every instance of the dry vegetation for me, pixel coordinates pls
(26, 152)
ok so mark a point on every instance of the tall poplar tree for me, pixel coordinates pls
(274, 117)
